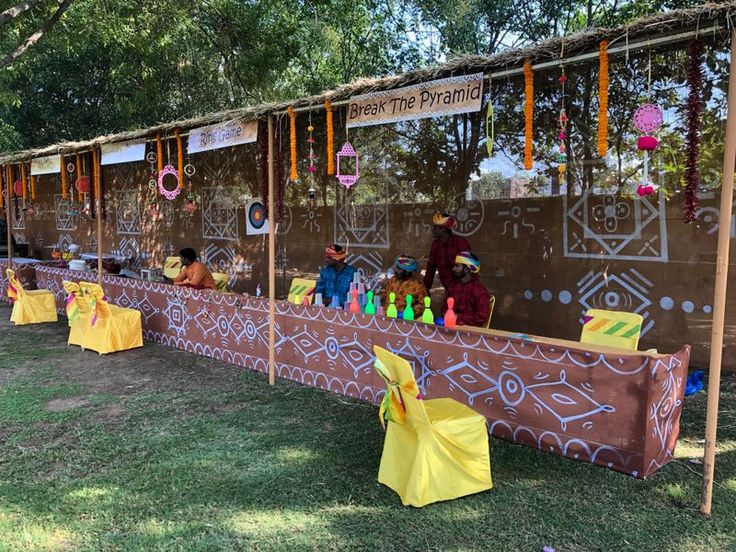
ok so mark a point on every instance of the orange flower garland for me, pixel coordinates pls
(33, 188)
(159, 153)
(64, 184)
(96, 172)
(11, 184)
(528, 114)
(24, 180)
(294, 176)
(79, 175)
(330, 140)
(603, 99)
(180, 158)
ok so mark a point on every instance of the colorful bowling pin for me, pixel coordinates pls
(318, 300)
(335, 302)
(427, 316)
(305, 301)
(354, 305)
(377, 305)
(408, 311)
(370, 307)
(391, 311)
(450, 316)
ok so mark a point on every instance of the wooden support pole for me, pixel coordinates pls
(719, 298)
(271, 260)
(9, 213)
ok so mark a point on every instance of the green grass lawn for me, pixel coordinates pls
(160, 450)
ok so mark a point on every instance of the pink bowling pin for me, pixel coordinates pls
(450, 316)
(354, 305)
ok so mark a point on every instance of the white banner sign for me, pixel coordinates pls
(46, 165)
(123, 152)
(222, 135)
(428, 99)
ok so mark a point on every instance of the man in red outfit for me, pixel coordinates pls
(472, 299)
(445, 248)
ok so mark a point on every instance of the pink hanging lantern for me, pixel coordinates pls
(347, 151)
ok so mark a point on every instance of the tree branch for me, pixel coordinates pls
(11, 13)
(35, 37)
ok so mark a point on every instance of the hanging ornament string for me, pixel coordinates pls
(92, 192)
(263, 163)
(310, 142)
(2, 178)
(23, 181)
(294, 176)
(490, 131)
(603, 99)
(180, 157)
(101, 184)
(62, 164)
(528, 114)
(563, 119)
(11, 185)
(694, 126)
(278, 170)
(159, 153)
(79, 175)
(330, 140)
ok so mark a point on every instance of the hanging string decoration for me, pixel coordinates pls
(310, 141)
(278, 170)
(23, 182)
(2, 192)
(159, 153)
(180, 157)
(490, 130)
(563, 119)
(330, 140)
(694, 126)
(528, 114)
(64, 183)
(11, 184)
(100, 183)
(263, 162)
(79, 176)
(647, 119)
(294, 176)
(603, 99)
(191, 205)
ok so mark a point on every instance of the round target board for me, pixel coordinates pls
(256, 222)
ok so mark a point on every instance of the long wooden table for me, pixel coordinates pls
(615, 408)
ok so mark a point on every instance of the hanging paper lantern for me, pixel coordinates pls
(347, 152)
(84, 184)
(18, 188)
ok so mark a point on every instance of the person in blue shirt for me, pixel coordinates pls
(335, 277)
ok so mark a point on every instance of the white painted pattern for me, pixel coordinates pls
(219, 216)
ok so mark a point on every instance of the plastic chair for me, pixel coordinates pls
(301, 288)
(490, 311)
(434, 449)
(77, 313)
(30, 307)
(221, 281)
(110, 328)
(620, 330)
(172, 267)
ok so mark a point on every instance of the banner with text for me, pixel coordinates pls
(45, 165)
(429, 99)
(222, 135)
(123, 152)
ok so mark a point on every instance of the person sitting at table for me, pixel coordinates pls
(444, 249)
(472, 299)
(194, 274)
(404, 283)
(335, 276)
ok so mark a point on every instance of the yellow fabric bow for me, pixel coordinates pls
(392, 407)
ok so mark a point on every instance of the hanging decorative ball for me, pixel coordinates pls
(84, 184)
(645, 190)
(647, 143)
(648, 118)
(18, 188)
(562, 167)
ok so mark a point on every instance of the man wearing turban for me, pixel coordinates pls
(404, 283)
(335, 276)
(472, 299)
(445, 247)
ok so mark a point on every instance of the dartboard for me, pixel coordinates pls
(256, 215)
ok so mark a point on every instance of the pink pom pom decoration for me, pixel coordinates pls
(647, 143)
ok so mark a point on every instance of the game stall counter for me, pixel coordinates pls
(614, 408)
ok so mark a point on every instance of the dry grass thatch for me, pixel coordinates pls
(662, 24)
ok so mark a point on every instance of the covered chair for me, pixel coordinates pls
(434, 449)
(77, 313)
(222, 281)
(30, 307)
(172, 267)
(612, 329)
(110, 328)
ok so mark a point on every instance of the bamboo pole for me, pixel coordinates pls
(271, 261)
(8, 214)
(719, 299)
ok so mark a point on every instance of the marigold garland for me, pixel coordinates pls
(79, 175)
(528, 114)
(180, 158)
(24, 181)
(64, 184)
(159, 153)
(603, 99)
(33, 188)
(330, 140)
(694, 126)
(294, 176)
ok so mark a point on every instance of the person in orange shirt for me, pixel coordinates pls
(194, 274)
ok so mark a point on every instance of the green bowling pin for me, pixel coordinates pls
(408, 311)
(427, 315)
(391, 311)
(370, 307)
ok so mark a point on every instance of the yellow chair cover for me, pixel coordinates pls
(300, 288)
(612, 329)
(77, 313)
(110, 328)
(434, 449)
(30, 307)
(172, 267)
(221, 280)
